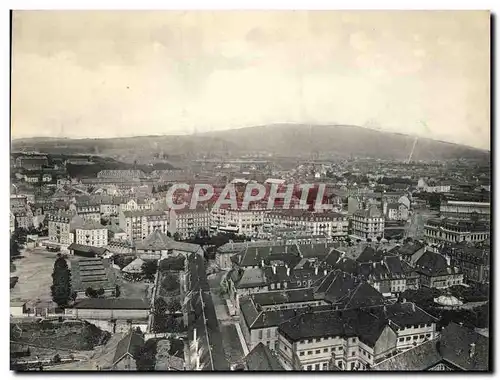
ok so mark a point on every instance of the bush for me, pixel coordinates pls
(170, 282)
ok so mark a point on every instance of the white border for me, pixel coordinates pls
(186, 4)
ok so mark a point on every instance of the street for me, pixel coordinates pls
(232, 344)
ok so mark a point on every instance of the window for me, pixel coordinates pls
(269, 333)
(309, 367)
(325, 366)
(325, 349)
(318, 340)
(415, 337)
(353, 353)
(339, 364)
(316, 367)
(422, 336)
(309, 352)
(401, 339)
(408, 338)
(340, 348)
(369, 356)
(352, 365)
(428, 335)
(260, 334)
(301, 353)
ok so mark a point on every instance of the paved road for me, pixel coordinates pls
(230, 339)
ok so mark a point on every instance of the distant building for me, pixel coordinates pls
(465, 210)
(433, 187)
(439, 231)
(32, 162)
(331, 225)
(397, 211)
(472, 259)
(368, 224)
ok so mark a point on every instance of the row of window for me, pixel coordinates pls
(414, 337)
(317, 340)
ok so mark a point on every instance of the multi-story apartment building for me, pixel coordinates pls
(62, 227)
(332, 225)
(465, 210)
(245, 222)
(472, 259)
(368, 224)
(88, 210)
(439, 231)
(140, 224)
(187, 222)
(353, 339)
(91, 233)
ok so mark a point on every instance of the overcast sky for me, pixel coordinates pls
(124, 73)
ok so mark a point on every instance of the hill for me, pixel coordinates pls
(290, 140)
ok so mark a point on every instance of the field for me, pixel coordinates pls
(35, 277)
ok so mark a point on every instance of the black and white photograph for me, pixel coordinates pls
(250, 190)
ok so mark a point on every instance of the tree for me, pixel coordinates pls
(61, 282)
(91, 293)
(379, 238)
(100, 292)
(159, 315)
(117, 291)
(56, 358)
(177, 236)
(173, 305)
(170, 282)
(14, 248)
(149, 269)
(368, 240)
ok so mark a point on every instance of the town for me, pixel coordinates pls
(106, 275)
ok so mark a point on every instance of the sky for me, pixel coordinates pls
(125, 73)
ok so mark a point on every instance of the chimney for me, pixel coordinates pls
(374, 264)
(288, 272)
(413, 306)
(472, 350)
(262, 262)
(274, 269)
(316, 271)
(448, 260)
(286, 248)
(325, 272)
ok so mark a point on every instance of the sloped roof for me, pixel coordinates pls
(134, 267)
(128, 346)
(261, 358)
(455, 347)
(434, 264)
(418, 358)
(156, 240)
